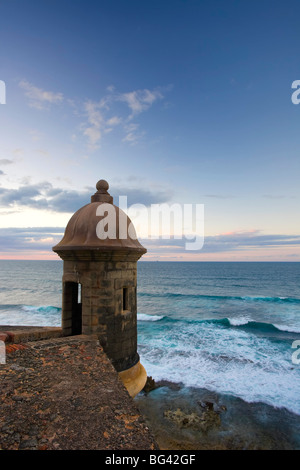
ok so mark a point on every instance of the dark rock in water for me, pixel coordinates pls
(150, 385)
(171, 385)
(203, 421)
(209, 405)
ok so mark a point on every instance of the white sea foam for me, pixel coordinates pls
(144, 317)
(238, 321)
(30, 315)
(46, 309)
(289, 329)
(229, 361)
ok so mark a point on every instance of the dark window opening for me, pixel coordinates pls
(125, 298)
(73, 292)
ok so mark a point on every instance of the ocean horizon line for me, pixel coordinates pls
(167, 261)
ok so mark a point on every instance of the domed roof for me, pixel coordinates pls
(100, 226)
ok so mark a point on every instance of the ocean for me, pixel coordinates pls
(226, 328)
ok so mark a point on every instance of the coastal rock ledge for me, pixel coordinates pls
(62, 393)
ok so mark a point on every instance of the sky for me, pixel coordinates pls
(185, 102)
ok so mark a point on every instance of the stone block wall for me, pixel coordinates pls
(108, 306)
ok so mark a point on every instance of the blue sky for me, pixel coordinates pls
(171, 101)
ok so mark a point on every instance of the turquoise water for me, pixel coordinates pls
(224, 327)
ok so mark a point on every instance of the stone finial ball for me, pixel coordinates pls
(102, 185)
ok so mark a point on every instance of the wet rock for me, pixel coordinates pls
(150, 385)
(208, 405)
(171, 385)
(203, 421)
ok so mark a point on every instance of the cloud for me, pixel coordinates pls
(38, 196)
(44, 196)
(5, 161)
(2, 172)
(35, 135)
(18, 152)
(139, 100)
(219, 196)
(228, 242)
(35, 239)
(31, 238)
(42, 152)
(247, 240)
(273, 196)
(100, 117)
(114, 121)
(111, 88)
(93, 134)
(99, 122)
(140, 196)
(131, 135)
(39, 98)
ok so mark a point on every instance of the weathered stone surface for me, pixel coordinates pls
(64, 394)
(17, 334)
(102, 303)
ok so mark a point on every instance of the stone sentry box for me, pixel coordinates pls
(99, 284)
